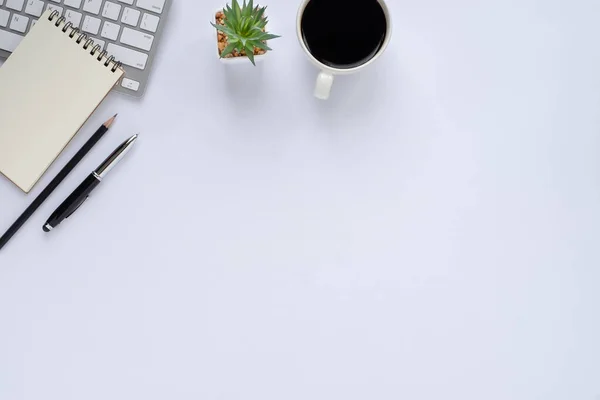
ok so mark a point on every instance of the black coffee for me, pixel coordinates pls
(344, 33)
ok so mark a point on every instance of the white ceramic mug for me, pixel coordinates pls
(326, 76)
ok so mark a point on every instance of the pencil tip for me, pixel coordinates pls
(110, 121)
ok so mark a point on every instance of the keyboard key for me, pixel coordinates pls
(149, 22)
(127, 56)
(1, 2)
(52, 7)
(4, 17)
(110, 30)
(15, 4)
(130, 84)
(19, 23)
(130, 16)
(100, 43)
(34, 7)
(137, 39)
(9, 41)
(130, 2)
(73, 3)
(151, 5)
(91, 25)
(56, 1)
(92, 6)
(111, 10)
(73, 17)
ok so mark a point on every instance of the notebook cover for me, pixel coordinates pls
(49, 87)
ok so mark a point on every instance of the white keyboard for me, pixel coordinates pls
(127, 29)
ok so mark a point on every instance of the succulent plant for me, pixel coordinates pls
(245, 29)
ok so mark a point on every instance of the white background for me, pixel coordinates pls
(431, 232)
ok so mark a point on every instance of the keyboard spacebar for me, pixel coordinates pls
(9, 41)
(127, 56)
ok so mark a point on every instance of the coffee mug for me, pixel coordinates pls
(342, 37)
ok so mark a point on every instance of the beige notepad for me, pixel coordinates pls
(49, 87)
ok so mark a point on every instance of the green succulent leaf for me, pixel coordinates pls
(259, 44)
(245, 25)
(267, 36)
(259, 13)
(228, 50)
(224, 29)
(229, 13)
(237, 9)
(250, 53)
(246, 10)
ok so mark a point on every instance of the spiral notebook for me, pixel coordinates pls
(49, 87)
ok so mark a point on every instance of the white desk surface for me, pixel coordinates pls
(430, 232)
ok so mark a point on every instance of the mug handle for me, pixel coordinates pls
(323, 86)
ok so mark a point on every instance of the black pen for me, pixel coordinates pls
(81, 194)
(70, 166)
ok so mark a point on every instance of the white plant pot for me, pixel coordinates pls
(236, 60)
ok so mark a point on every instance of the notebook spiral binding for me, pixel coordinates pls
(88, 42)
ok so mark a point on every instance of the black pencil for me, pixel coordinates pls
(55, 182)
